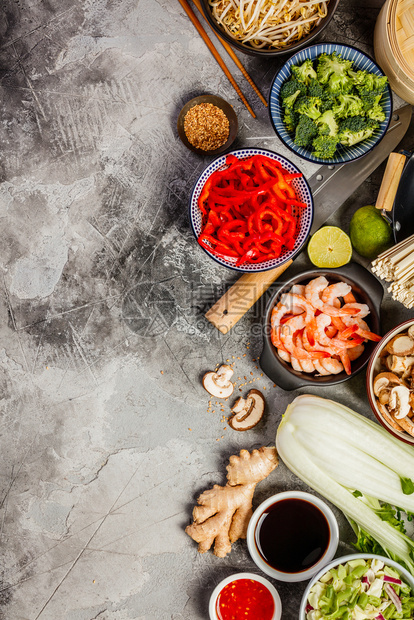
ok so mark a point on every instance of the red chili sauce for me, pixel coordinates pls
(245, 599)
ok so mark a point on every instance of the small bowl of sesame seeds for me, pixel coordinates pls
(207, 125)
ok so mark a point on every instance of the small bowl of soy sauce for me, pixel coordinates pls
(292, 535)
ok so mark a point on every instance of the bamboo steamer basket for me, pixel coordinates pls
(394, 46)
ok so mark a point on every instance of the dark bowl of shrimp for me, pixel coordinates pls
(321, 327)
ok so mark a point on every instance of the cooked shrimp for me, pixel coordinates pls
(307, 365)
(320, 368)
(361, 328)
(360, 310)
(313, 332)
(278, 313)
(284, 355)
(314, 290)
(298, 289)
(287, 334)
(355, 352)
(331, 293)
(333, 365)
(296, 364)
(314, 293)
(335, 346)
(290, 300)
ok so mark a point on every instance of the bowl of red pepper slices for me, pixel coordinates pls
(251, 210)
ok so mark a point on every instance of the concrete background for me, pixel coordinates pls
(107, 436)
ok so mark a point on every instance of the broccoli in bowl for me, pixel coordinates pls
(328, 104)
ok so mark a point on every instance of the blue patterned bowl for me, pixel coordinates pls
(361, 62)
(304, 215)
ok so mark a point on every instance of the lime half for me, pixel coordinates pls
(330, 247)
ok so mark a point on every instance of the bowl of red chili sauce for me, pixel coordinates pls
(251, 210)
(247, 596)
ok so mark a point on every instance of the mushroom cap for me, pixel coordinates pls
(400, 364)
(389, 418)
(385, 380)
(401, 344)
(247, 412)
(400, 401)
(218, 383)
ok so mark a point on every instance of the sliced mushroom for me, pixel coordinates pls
(218, 383)
(400, 345)
(411, 332)
(400, 401)
(389, 418)
(407, 425)
(384, 381)
(400, 365)
(384, 397)
(247, 412)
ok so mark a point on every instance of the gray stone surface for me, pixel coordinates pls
(106, 435)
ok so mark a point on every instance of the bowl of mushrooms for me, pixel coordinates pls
(390, 381)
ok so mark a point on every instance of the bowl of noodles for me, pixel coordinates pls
(267, 28)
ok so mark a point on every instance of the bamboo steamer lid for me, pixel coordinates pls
(394, 46)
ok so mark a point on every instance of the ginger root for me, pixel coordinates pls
(224, 513)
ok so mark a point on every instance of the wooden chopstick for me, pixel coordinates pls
(234, 58)
(215, 53)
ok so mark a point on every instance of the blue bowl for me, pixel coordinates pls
(361, 61)
(304, 215)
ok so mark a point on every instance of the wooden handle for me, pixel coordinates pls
(241, 296)
(234, 58)
(390, 181)
(194, 19)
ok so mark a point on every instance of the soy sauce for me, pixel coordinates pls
(292, 535)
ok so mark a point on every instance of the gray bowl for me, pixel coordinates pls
(269, 53)
(366, 288)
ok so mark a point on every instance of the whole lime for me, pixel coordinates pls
(370, 233)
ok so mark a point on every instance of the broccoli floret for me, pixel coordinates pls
(339, 83)
(356, 123)
(290, 119)
(331, 64)
(290, 91)
(380, 83)
(369, 100)
(315, 89)
(328, 103)
(309, 106)
(362, 79)
(324, 147)
(376, 113)
(304, 72)
(305, 131)
(371, 84)
(327, 125)
(348, 105)
(355, 129)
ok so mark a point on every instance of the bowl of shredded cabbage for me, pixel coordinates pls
(267, 28)
(359, 586)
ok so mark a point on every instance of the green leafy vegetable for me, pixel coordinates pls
(407, 486)
(345, 593)
(355, 464)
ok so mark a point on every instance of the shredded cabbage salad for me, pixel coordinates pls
(358, 590)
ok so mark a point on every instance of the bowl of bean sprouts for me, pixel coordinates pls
(269, 27)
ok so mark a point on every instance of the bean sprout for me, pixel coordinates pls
(268, 23)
